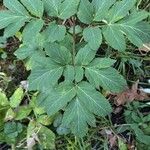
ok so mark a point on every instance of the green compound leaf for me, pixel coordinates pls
(120, 9)
(45, 76)
(135, 17)
(102, 63)
(35, 7)
(86, 12)
(67, 41)
(13, 28)
(79, 73)
(84, 56)
(58, 54)
(79, 113)
(54, 32)
(56, 99)
(77, 117)
(138, 34)
(101, 8)
(7, 17)
(17, 16)
(114, 37)
(36, 60)
(62, 9)
(128, 24)
(52, 7)
(108, 78)
(24, 52)
(93, 100)
(16, 7)
(31, 30)
(69, 73)
(93, 36)
(68, 8)
(72, 73)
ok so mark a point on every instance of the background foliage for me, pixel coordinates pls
(71, 48)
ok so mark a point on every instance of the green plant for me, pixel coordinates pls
(138, 121)
(137, 125)
(21, 128)
(60, 40)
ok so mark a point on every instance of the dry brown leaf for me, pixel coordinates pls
(112, 141)
(130, 95)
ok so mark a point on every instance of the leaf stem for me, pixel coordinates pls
(74, 42)
(13, 147)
